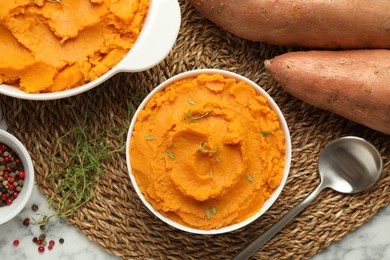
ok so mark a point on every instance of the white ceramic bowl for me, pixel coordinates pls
(155, 41)
(267, 203)
(10, 211)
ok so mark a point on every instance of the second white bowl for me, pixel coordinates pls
(157, 37)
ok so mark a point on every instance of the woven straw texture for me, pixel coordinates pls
(117, 220)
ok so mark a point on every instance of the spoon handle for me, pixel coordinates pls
(274, 229)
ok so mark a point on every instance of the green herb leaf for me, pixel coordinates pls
(214, 210)
(217, 159)
(249, 177)
(170, 154)
(149, 137)
(265, 133)
(193, 118)
(75, 184)
(208, 215)
(192, 102)
(172, 144)
(203, 149)
(211, 174)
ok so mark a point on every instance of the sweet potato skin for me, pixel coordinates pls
(354, 84)
(325, 24)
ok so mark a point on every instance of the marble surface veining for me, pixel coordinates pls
(369, 242)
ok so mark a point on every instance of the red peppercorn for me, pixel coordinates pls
(4, 196)
(16, 242)
(39, 242)
(26, 221)
(51, 243)
(18, 161)
(21, 175)
(7, 159)
(8, 168)
(11, 179)
(3, 147)
(11, 186)
(9, 201)
(50, 247)
(6, 176)
(15, 194)
(41, 249)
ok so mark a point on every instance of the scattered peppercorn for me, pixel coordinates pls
(26, 221)
(39, 242)
(16, 242)
(42, 237)
(41, 249)
(61, 240)
(42, 227)
(34, 207)
(35, 239)
(51, 243)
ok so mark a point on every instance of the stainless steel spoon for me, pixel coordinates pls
(348, 165)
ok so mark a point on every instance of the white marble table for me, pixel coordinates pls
(369, 242)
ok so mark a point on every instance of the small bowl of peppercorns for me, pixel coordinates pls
(16, 176)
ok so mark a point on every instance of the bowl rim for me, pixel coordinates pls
(267, 204)
(160, 13)
(21, 150)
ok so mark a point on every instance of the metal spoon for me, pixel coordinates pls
(348, 165)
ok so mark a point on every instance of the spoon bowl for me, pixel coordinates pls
(348, 165)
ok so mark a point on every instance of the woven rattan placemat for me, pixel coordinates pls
(117, 220)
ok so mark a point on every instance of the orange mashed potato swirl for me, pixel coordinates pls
(48, 46)
(207, 151)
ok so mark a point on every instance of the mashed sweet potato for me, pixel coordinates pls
(48, 46)
(208, 151)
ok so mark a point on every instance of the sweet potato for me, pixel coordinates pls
(328, 24)
(352, 83)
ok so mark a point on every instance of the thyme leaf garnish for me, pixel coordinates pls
(149, 137)
(208, 214)
(193, 118)
(265, 133)
(170, 155)
(203, 149)
(211, 210)
(249, 177)
(192, 102)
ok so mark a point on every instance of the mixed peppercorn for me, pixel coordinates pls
(41, 241)
(11, 175)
